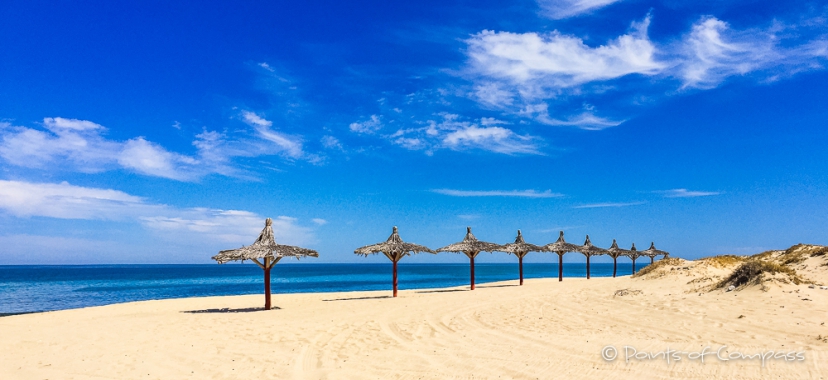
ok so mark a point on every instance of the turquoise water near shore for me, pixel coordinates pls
(29, 288)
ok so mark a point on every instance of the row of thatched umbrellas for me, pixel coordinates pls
(266, 250)
(395, 249)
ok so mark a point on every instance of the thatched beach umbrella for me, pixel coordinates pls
(470, 247)
(394, 249)
(633, 254)
(589, 250)
(264, 248)
(560, 247)
(615, 252)
(519, 248)
(652, 252)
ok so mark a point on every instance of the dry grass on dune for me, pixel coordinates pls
(659, 265)
(723, 261)
(799, 264)
(757, 272)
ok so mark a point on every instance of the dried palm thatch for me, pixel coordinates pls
(615, 252)
(394, 249)
(470, 247)
(633, 254)
(264, 248)
(560, 247)
(519, 248)
(590, 250)
(652, 252)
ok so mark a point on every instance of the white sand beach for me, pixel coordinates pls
(542, 330)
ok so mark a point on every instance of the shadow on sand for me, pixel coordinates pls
(495, 286)
(443, 291)
(228, 310)
(357, 298)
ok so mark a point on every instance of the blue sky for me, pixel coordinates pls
(162, 133)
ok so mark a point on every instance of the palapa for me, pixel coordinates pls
(633, 254)
(560, 247)
(615, 252)
(265, 248)
(519, 248)
(394, 249)
(589, 250)
(470, 247)
(652, 252)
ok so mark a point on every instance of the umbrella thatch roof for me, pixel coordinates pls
(653, 252)
(590, 250)
(393, 246)
(519, 247)
(615, 252)
(469, 245)
(633, 253)
(264, 246)
(561, 245)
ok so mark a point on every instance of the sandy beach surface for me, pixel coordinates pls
(541, 330)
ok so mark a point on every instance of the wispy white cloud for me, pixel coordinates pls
(319, 221)
(523, 74)
(369, 126)
(66, 201)
(496, 139)
(151, 159)
(498, 193)
(81, 145)
(330, 142)
(519, 72)
(684, 193)
(290, 145)
(713, 51)
(266, 66)
(538, 65)
(561, 9)
(618, 204)
(452, 132)
(585, 120)
(78, 143)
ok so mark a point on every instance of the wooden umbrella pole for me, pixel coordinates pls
(633, 266)
(652, 258)
(614, 265)
(560, 267)
(587, 267)
(520, 263)
(471, 262)
(267, 282)
(395, 276)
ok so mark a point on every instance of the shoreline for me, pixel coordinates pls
(275, 294)
(40, 289)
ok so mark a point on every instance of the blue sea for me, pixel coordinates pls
(31, 288)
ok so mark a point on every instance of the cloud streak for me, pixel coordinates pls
(561, 9)
(66, 201)
(611, 204)
(684, 193)
(498, 193)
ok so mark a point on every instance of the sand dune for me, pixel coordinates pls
(544, 329)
